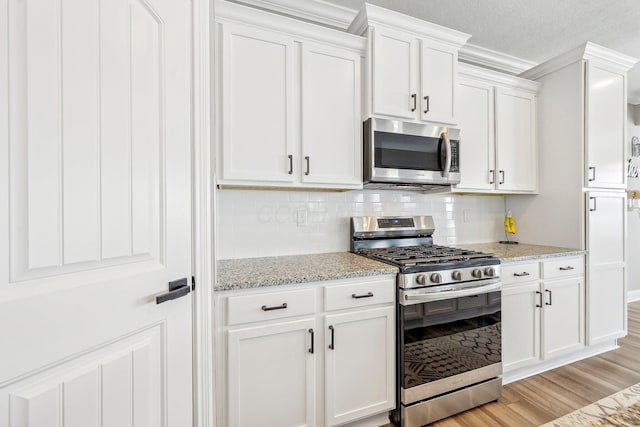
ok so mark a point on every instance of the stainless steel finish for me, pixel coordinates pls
(477, 273)
(426, 98)
(447, 144)
(435, 277)
(404, 179)
(456, 275)
(432, 410)
(307, 159)
(434, 293)
(434, 388)
(367, 227)
(490, 271)
(421, 279)
(501, 177)
(492, 176)
(290, 156)
(410, 280)
(593, 176)
(414, 99)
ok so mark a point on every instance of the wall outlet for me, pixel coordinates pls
(301, 218)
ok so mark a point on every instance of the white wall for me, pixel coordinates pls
(257, 223)
(633, 217)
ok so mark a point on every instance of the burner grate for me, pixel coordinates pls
(423, 255)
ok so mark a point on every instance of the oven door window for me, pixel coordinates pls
(450, 337)
(399, 151)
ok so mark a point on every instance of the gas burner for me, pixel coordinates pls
(407, 256)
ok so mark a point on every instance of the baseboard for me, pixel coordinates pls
(633, 295)
(538, 368)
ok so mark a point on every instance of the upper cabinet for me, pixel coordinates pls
(288, 103)
(498, 147)
(411, 72)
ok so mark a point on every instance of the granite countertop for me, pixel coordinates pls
(284, 270)
(522, 251)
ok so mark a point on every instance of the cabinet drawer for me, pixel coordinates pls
(519, 273)
(563, 267)
(270, 305)
(359, 294)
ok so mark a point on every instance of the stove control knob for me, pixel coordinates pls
(421, 279)
(436, 278)
(477, 273)
(456, 275)
(489, 271)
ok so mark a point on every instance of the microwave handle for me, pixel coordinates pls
(447, 143)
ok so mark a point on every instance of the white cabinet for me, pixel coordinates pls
(412, 67)
(271, 375)
(306, 355)
(289, 104)
(542, 311)
(498, 149)
(606, 295)
(606, 116)
(361, 344)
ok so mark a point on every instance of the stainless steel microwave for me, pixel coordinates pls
(410, 156)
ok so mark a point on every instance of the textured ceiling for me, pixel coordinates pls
(533, 29)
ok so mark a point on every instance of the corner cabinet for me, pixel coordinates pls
(288, 104)
(498, 116)
(412, 66)
(306, 355)
(542, 310)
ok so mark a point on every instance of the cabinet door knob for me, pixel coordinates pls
(414, 100)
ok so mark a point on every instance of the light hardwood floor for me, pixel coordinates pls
(541, 398)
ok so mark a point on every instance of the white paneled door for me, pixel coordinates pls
(95, 212)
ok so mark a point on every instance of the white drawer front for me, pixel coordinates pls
(270, 305)
(520, 273)
(359, 294)
(563, 267)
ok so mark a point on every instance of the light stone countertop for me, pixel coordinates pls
(522, 251)
(285, 270)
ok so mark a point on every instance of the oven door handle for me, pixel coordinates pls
(439, 296)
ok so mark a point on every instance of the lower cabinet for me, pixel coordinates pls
(542, 311)
(322, 355)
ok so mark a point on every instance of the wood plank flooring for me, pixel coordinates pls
(541, 398)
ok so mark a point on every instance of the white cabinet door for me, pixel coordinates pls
(271, 375)
(606, 287)
(360, 364)
(520, 325)
(331, 126)
(439, 71)
(477, 143)
(394, 74)
(95, 212)
(257, 102)
(516, 155)
(563, 318)
(606, 123)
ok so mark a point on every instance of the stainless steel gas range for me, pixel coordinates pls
(448, 318)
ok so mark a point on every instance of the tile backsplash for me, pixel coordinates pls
(257, 223)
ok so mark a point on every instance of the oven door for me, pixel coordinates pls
(399, 152)
(449, 339)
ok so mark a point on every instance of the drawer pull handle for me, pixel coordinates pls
(277, 307)
(367, 295)
(523, 274)
(550, 297)
(332, 345)
(312, 340)
(566, 268)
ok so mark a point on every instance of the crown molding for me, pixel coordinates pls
(235, 12)
(371, 15)
(496, 78)
(588, 51)
(483, 57)
(315, 11)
